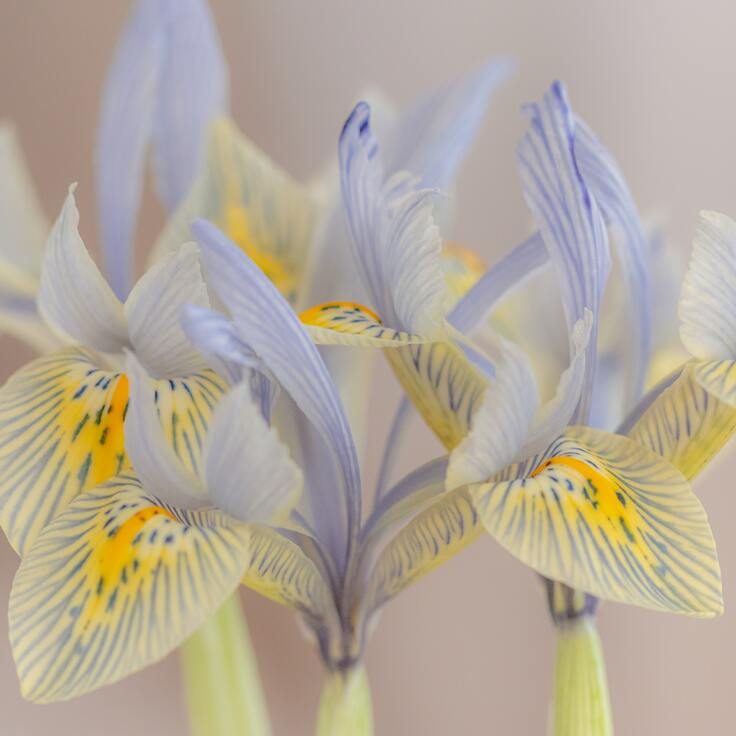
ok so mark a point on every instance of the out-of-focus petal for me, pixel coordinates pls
(512, 270)
(255, 203)
(267, 323)
(167, 81)
(74, 297)
(23, 226)
(248, 471)
(610, 517)
(114, 583)
(154, 308)
(567, 215)
(396, 242)
(192, 91)
(708, 301)
(433, 136)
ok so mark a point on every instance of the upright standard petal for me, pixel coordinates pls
(114, 583)
(608, 187)
(154, 311)
(248, 471)
(267, 323)
(568, 217)
(256, 204)
(396, 242)
(610, 517)
(74, 297)
(167, 81)
(708, 301)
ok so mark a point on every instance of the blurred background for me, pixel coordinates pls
(468, 649)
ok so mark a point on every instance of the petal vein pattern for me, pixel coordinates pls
(609, 517)
(113, 584)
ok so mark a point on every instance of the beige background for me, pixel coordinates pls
(468, 650)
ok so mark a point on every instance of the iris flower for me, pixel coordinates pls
(347, 568)
(127, 570)
(583, 507)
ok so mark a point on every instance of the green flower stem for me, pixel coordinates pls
(223, 690)
(346, 707)
(581, 705)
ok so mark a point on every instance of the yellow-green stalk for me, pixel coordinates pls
(346, 707)
(580, 704)
(223, 689)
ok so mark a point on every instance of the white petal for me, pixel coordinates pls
(154, 310)
(250, 475)
(74, 297)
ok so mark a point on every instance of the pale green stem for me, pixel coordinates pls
(581, 706)
(223, 690)
(346, 708)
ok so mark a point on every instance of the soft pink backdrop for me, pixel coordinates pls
(469, 649)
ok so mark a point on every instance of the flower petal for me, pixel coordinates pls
(558, 411)
(433, 537)
(61, 433)
(708, 302)
(682, 422)
(114, 583)
(193, 91)
(24, 226)
(433, 136)
(154, 309)
(718, 378)
(396, 243)
(347, 323)
(248, 471)
(605, 515)
(266, 322)
(444, 386)
(280, 570)
(512, 270)
(167, 81)
(74, 297)
(609, 189)
(501, 423)
(154, 457)
(567, 216)
(267, 214)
